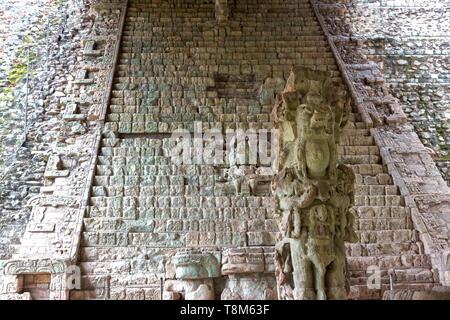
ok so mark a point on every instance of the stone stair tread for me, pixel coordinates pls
(376, 249)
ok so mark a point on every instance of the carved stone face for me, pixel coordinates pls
(318, 156)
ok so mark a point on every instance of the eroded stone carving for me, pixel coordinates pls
(313, 193)
(34, 266)
(195, 265)
(53, 201)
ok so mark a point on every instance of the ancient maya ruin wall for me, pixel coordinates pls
(116, 206)
(409, 41)
(313, 194)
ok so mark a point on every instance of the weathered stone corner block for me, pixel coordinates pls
(313, 193)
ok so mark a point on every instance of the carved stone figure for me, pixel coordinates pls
(313, 193)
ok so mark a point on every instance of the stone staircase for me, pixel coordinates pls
(177, 67)
(384, 226)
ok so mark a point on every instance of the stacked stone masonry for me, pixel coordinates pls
(410, 42)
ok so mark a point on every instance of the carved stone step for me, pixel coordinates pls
(386, 212)
(145, 38)
(382, 224)
(355, 132)
(358, 150)
(408, 275)
(376, 249)
(362, 292)
(196, 201)
(97, 294)
(100, 210)
(117, 267)
(286, 42)
(93, 254)
(357, 141)
(179, 225)
(107, 161)
(154, 172)
(147, 25)
(144, 76)
(256, 47)
(120, 190)
(420, 276)
(389, 262)
(142, 280)
(369, 169)
(376, 190)
(179, 239)
(387, 200)
(387, 236)
(378, 179)
(424, 278)
(169, 126)
(359, 159)
(379, 200)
